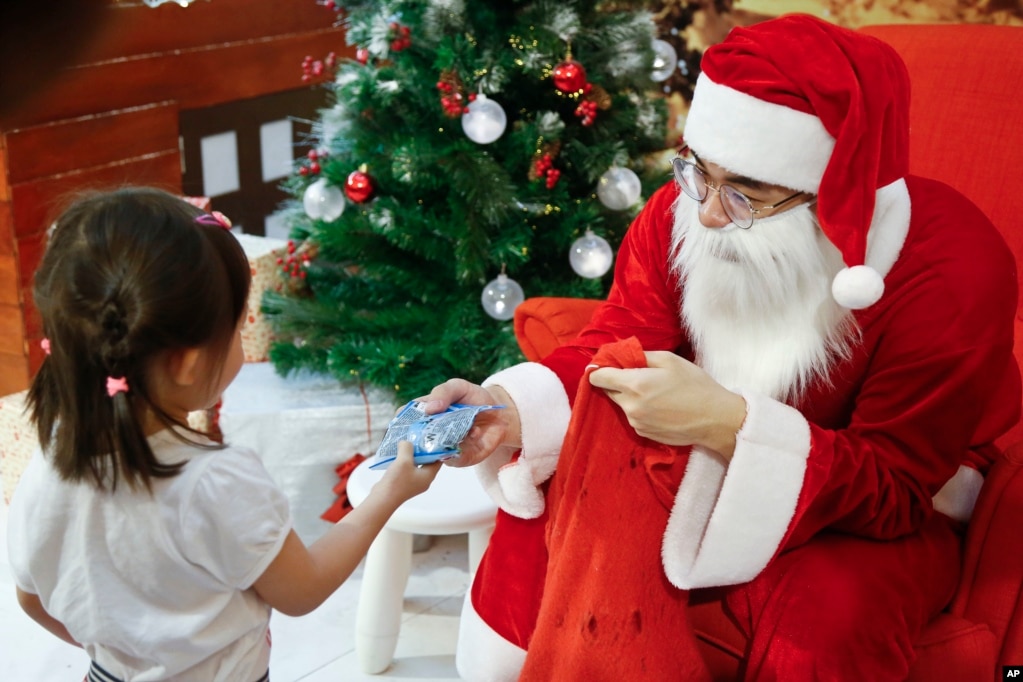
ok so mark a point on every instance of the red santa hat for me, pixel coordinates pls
(802, 103)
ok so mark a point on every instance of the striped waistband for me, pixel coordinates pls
(98, 674)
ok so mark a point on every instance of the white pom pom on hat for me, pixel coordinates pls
(804, 104)
(857, 287)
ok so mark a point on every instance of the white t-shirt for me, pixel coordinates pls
(156, 587)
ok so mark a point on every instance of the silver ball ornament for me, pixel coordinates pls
(485, 121)
(590, 256)
(501, 296)
(323, 201)
(618, 188)
(665, 61)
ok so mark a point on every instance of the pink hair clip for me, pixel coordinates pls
(45, 345)
(115, 386)
(214, 219)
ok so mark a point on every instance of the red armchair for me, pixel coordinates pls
(964, 132)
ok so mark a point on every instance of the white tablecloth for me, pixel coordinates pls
(303, 426)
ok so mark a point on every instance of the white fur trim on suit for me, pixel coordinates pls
(726, 524)
(749, 136)
(482, 655)
(544, 414)
(958, 496)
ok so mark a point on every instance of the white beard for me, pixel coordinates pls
(757, 303)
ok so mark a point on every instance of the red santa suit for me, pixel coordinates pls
(832, 527)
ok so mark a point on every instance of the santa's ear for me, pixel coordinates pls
(183, 366)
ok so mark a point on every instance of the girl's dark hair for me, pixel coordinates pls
(127, 275)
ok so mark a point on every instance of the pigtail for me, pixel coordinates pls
(122, 386)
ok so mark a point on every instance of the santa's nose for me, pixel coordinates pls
(712, 213)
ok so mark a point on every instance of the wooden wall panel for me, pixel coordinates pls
(37, 202)
(6, 228)
(9, 281)
(194, 78)
(208, 53)
(14, 372)
(132, 30)
(12, 335)
(4, 194)
(93, 140)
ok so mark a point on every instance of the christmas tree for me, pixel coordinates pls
(474, 153)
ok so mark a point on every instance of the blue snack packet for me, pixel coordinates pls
(434, 437)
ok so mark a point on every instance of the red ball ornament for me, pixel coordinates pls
(569, 76)
(358, 186)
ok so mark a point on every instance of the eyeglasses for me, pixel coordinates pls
(737, 205)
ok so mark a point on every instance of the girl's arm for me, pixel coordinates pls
(299, 579)
(31, 605)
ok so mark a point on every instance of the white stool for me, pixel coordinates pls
(455, 503)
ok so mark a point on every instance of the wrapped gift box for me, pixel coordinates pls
(263, 254)
(303, 427)
(17, 441)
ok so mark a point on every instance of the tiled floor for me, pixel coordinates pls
(318, 647)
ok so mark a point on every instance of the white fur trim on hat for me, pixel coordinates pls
(726, 524)
(482, 655)
(760, 140)
(544, 413)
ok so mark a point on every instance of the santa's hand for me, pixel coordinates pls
(672, 401)
(491, 428)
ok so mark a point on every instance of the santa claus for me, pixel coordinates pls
(786, 403)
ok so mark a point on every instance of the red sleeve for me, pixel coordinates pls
(644, 300)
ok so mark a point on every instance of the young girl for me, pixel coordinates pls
(156, 549)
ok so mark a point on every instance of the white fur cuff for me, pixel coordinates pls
(544, 413)
(726, 524)
(958, 496)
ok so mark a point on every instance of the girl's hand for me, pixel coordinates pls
(403, 478)
(492, 429)
(672, 401)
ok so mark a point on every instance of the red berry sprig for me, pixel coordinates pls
(314, 157)
(543, 164)
(294, 264)
(553, 175)
(544, 168)
(401, 37)
(587, 111)
(315, 68)
(451, 99)
(311, 68)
